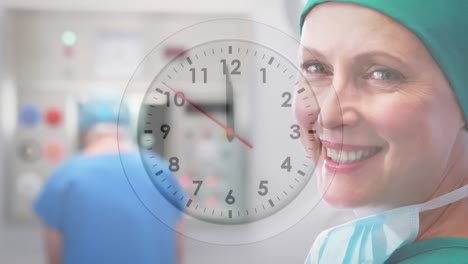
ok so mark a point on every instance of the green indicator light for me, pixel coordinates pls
(69, 38)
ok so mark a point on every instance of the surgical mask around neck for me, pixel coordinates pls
(373, 239)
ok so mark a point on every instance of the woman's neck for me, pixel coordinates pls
(449, 221)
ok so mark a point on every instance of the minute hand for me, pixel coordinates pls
(229, 105)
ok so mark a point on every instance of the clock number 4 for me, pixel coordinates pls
(287, 164)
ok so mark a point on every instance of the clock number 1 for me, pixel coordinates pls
(263, 70)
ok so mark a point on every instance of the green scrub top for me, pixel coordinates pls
(453, 250)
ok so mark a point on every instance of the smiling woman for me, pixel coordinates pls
(390, 79)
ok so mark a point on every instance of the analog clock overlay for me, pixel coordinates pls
(221, 117)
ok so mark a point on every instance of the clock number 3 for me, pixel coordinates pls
(296, 132)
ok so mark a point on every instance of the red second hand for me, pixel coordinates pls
(181, 95)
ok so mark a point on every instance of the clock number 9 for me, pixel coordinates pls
(229, 198)
(165, 129)
(174, 164)
(296, 133)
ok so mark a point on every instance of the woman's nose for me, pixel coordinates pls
(338, 105)
(327, 108)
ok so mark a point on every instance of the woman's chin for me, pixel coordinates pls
(344, 197)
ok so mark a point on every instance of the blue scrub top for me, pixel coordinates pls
(90, 201)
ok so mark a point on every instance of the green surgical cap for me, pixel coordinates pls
(442, 25)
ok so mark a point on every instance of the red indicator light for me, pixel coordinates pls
(184, 181)
(53, 117)
(54, 151)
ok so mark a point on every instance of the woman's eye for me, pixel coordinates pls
(315, 68)
(385, 75)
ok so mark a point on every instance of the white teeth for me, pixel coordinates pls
(349, 156)
(359, 154)
(343, 157)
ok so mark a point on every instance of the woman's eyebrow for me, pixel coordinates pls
(379, 54)
(308, 52)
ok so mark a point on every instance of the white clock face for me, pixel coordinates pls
(229, 109)
(218, 136)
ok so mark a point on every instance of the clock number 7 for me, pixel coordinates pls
(199, 184)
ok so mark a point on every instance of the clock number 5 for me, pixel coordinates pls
(263, 188)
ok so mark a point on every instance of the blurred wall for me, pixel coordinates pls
(18, 244)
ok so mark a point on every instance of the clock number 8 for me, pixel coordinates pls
(174, 164)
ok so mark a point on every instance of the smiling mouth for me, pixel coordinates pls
(342, 156)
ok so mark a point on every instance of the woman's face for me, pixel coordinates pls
(383, 102)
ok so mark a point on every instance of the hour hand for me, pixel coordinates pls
(229, 106)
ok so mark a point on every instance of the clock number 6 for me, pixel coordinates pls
(229, 198)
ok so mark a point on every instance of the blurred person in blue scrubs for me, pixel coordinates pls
(88, 208)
